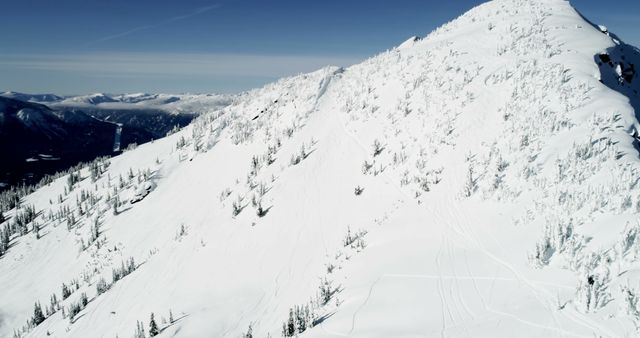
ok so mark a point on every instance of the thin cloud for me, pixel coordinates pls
(165, 22)
(147, 64)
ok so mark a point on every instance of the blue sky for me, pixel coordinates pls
(82, 46)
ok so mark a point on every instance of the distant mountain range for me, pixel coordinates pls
(32, 97)
(44, 133)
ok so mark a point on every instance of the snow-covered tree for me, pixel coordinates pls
(4, 239)
(55, 305)
(153, 327)
(38, 316)
(592, 292)
(326, 291)
(470, 183)
(289, 329)
(139, 333)
(102, 286)
(249, 333)
(377, 147)
(366, 167)
(66, 291)
(237, 206)
(84, 300)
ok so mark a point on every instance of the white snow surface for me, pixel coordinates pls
(501, 201)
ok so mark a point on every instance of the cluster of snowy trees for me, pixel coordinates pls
(181, 143)
(632, 303)
(74, 308)
(303, 317)
(22, 218)
(256, 188)
(124, 270)
(355, 240)
(18, 225)
(91, 204)
(98, 167)
(300, 319)
(300, 102)
(72, 179)
(102, 286)
(86, 201)
(26, 215)
(67, 290)
(154, 328)
(237, 205)
(94, 235)
(54, 305)
(375, 167)
(11, 198)
(301, 155)
(40, 316)
(5, 239)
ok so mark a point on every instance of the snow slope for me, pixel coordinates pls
(480, 181)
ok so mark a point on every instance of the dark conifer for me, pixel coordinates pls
(153, 327)
(38, 316)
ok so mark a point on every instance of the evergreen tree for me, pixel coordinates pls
(74, 309)
(171, 317)
(4, 239)
(131, 265)
(249, 333)
(291, 325)
(102, 286)
(38, 316)
(139, 330)
(115, 204)
(260, 211)
(66, 292)
(54, 303)
(301, 321)
(470, 185)
(237, 206)
(153, 327)
(84, 300)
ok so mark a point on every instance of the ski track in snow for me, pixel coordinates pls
(444, 307)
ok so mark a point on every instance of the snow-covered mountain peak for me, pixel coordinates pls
(479, 181)
(95, 98)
